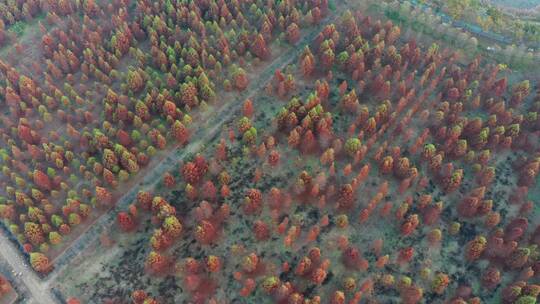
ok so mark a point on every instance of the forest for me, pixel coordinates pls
(243, 151)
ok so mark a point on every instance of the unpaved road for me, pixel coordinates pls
(38, 289)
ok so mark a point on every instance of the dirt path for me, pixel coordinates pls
(39, 290)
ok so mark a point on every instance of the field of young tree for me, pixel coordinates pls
(303, 151)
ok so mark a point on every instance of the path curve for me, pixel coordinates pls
(40, 292)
